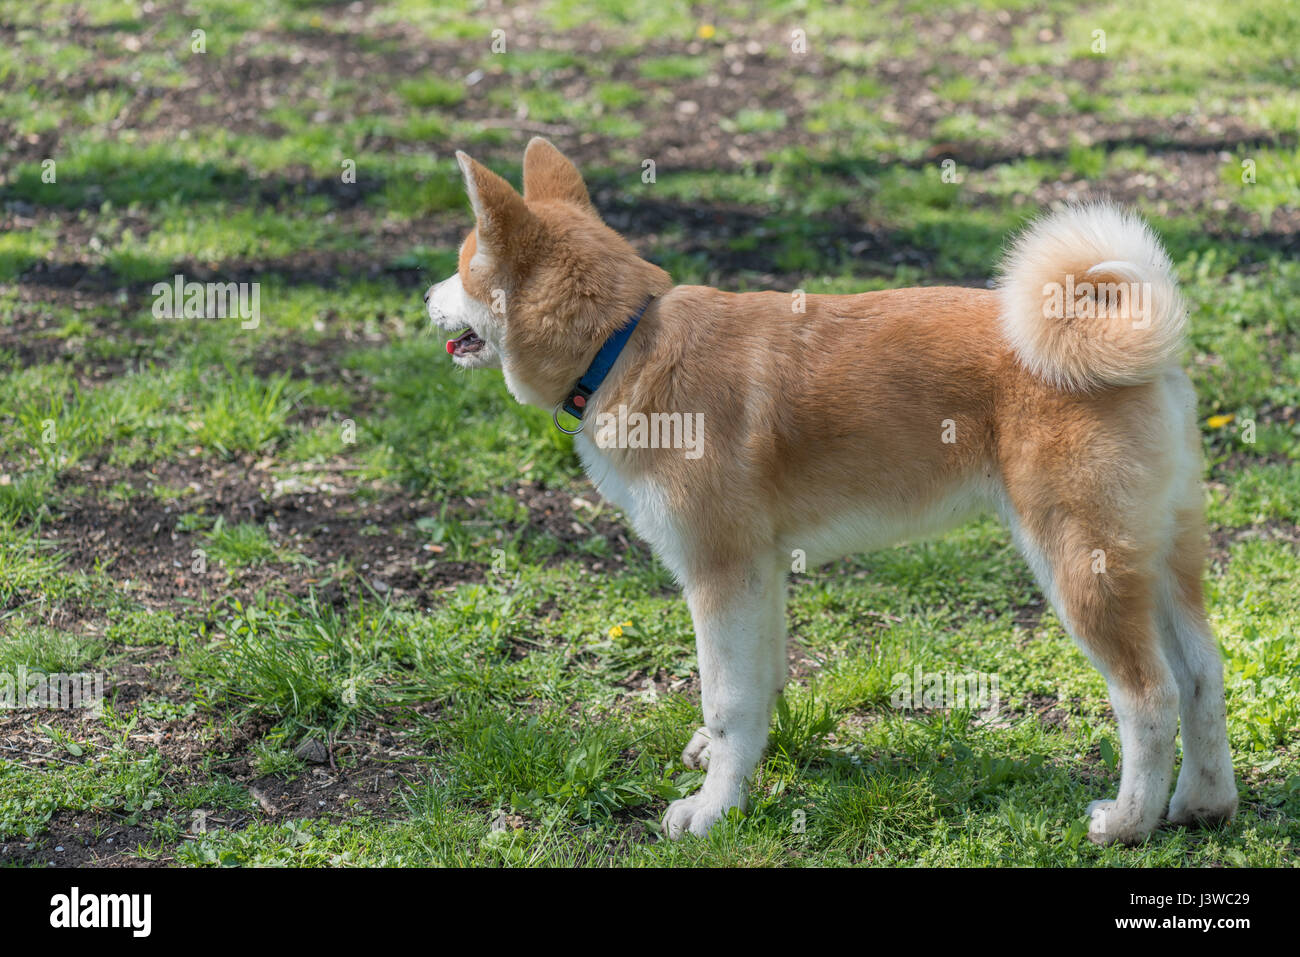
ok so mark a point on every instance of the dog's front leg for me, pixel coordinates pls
(730, 608)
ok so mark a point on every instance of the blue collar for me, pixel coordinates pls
(575, 403)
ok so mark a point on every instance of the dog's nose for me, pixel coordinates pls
(427, 293)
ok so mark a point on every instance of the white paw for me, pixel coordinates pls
(1098, 813)
(696, 755)
(1108, 826)
(693, 815)
(1202, 808)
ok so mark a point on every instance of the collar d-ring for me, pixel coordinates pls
(575, 403)
(555, 417)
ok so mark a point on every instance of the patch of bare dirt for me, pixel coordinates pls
(328, 519)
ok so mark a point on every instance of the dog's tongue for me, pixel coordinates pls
(467, 341)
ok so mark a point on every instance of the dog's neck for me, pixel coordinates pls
(637, 290)
(575, 403)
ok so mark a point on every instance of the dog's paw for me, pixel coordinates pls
(1107, 825)
(692, 815)
(1202, 808)
(1102, 822)
(696, 755)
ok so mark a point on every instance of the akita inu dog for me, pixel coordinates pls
(836, 424)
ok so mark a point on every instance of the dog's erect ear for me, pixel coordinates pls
(503, 219)
(548, 174)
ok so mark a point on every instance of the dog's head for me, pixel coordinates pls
(542, 282)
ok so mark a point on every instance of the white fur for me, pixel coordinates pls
(1084, 242)
(734, 643)
(741, 651)
(452, 308)
(471, 187)
(869, 529)
(1206, 786)
(1147, 727)
(643, 501)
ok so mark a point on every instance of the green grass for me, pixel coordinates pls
(56, 423)
(431, 91)
(244, 544)
(39, 648)
(673, 68)
(510, 687)
(19, 250)
(119, 779)
(1264, 180)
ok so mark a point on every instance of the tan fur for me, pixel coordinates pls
(839, 410)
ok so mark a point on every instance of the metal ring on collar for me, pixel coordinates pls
(555, 417)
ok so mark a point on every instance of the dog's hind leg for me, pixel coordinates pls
(1105, 595)
(731, 606)
(1206, 789)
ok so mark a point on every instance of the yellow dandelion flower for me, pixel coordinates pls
(616, 631)
(1219, 421)
(706, 31)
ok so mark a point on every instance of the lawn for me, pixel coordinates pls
(354, 607)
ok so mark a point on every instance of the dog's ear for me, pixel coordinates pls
(503, 219)
(548, 174)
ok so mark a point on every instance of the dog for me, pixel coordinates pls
(843, 423)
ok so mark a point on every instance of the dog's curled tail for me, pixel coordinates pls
(1089, 299)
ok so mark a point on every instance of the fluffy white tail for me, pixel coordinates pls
(1089, 299)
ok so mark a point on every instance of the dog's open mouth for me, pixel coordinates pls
(465, 344)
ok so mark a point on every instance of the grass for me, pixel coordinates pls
(405, 565)
(244, 544)
(145, 416)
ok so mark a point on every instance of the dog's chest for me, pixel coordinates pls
(641, 498)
